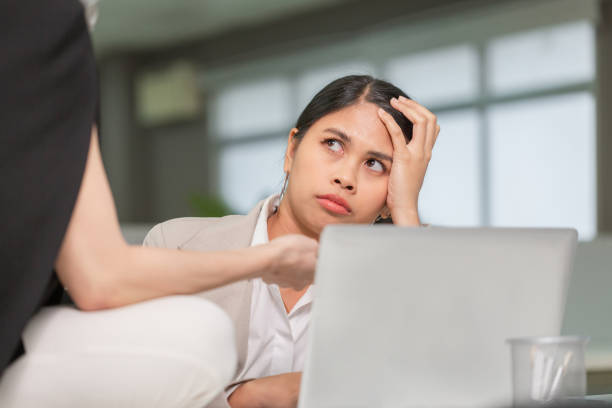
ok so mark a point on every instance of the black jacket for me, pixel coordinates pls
(48, 102)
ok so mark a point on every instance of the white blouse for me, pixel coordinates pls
(277, 340)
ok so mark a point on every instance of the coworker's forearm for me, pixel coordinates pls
(100, 270)
(147, 273)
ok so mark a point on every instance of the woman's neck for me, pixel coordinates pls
(283, 222)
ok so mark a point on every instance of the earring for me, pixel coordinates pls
(282, 193)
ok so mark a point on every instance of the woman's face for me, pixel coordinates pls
(339, 172)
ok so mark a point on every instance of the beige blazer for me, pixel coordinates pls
(213, 234)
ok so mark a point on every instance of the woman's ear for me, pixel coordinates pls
(292, 143)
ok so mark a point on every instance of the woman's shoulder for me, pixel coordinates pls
(204, 232)
(176, 232)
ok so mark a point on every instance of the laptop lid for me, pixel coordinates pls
(418, 317)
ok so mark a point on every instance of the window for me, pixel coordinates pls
(451, 193)
(437, 77)
(251, 172)
(542, 163)
(251, 109)
(544, 58)
(249, 121)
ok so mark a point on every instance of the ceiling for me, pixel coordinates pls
(147, 24)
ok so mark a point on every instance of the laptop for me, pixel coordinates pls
(419, 317)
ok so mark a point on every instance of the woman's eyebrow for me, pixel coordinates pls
(347, 139)
(340, 134)
(380, 156)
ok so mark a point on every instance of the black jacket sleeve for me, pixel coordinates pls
(48, 101)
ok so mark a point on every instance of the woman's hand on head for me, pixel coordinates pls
(294, 259)
(410, 160)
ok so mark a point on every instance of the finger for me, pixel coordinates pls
(430, 118)
(419, 124)
(430, 137)
(395, 131)
(436, 135)
(418, 107)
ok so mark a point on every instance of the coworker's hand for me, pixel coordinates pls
(409, 160)
(294, 258)
(278, 391)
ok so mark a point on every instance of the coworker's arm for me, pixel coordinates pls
(100, 270)
(278, 391)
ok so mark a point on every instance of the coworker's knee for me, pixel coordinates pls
(193, 327)
(166, 335)
(205, 329)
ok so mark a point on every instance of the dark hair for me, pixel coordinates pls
(347, 91)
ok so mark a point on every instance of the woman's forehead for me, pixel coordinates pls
(360, 122)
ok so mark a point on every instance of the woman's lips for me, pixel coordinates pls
(334, 203)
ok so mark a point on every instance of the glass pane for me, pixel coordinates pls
(542, 58)
(451, 191)
(253, 109)
(427, 78)
(250, 172)
(313, 81)
(542, 157)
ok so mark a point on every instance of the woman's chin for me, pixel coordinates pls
(332, 220)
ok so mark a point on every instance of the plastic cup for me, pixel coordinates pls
(547, 369)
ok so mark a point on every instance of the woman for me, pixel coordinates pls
(359, 151)
(130, 344)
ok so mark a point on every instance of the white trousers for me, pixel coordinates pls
(175, 351)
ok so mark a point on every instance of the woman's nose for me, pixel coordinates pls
(344, 184)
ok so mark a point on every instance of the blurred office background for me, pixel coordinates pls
(198, 97)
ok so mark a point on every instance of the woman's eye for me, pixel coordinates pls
(333, 145)
(375, 165)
